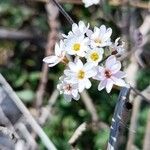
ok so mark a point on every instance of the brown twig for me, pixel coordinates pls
(66, 15)
(78, 132)
(89, 106)
(46, 111)
(140, 94)
(134, 116)
(19, 35)
(146, 144)
(52, 37)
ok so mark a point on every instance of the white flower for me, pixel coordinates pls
(90, 2)
(79, 73)
(77, 30)
(70, 90)
(77, 46)
(100, 37)
(117, 48)
(58, 57)
(94, 55)
(110, 74)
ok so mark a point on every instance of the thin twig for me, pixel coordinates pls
(52, 12)
(134, 116)
(19, 35)
(78, 132)
(90, 106)
(46, 113)
(140, 94)
(46, 141)
(146, 144)
(66, 15)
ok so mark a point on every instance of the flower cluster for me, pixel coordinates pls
(84, 52)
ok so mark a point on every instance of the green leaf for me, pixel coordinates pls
(26, 95)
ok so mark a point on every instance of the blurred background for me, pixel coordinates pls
(28, 32)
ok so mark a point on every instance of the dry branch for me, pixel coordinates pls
(19, 35)
(146, 145)
(46, 113)
(52, 12)
(89, 106)
(78, 132)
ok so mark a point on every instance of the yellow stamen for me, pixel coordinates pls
(97, 41)
(76, 47)
(65, 60)
(81, 74)
(94, 56)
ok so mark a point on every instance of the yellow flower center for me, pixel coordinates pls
(81, 74)
(76, 47)
(97, 41)
(94, 56)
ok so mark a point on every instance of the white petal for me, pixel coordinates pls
(120, 74)
(111, 60)
(64, 35)
(119, 82)
(72, 66)
(89, 32)
(79, 63)
(107, 34)
(67, 72)
(102, 30)
(88, 84)
(82, 26)
(97, 77)
(81, 86)
(109, 85)
(101, 50)
(115, 67)
(100, 69)
(74, 27)
(77, 97)
(88, 66)
(81, 53)
(50, 59)
(74, 93)
(116, 41)
(102, 85)
(91, 73)
(53, 64)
